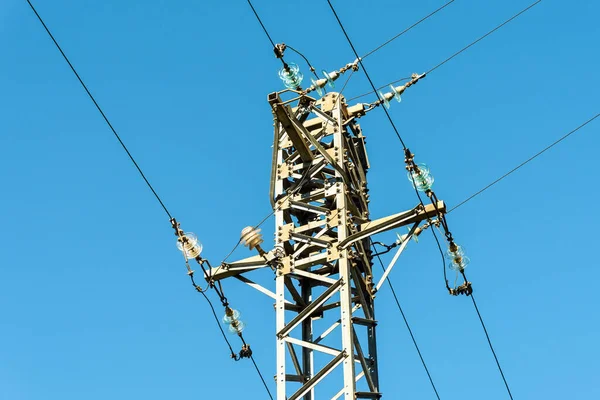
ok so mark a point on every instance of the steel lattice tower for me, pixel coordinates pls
(325, 287)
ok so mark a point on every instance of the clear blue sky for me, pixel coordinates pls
(94, 300)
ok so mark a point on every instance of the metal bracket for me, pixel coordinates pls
(394, 221)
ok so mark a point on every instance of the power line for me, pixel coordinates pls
(261, 377)
(491, 347)
(99, 109)
(455, 54)
(310, 66)
(212, 308)
(483, 37)
(261, 23)
(143, 176)
(407, 29)
(412, 336)
(233, 354)
(523, 163)
(437, 241)
(481, 191)
(365, 71)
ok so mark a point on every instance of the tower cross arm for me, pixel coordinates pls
(233, 269)
(417, 214)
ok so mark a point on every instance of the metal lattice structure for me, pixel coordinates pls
(325, 287)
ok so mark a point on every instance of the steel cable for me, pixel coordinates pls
(407, 29)
(491, 347)
(483, 37)
(455, 54)
(524, 163)
(412, 336)
(100, 109)
(364, 70)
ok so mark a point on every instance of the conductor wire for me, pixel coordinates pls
(100, 110)
(212, 308)
(490, 344)
(483, 37)
(412, 336)
(455, 54)
(365, 70)
(261, 23)
(407, 29)
(310, 66)
(524, 163)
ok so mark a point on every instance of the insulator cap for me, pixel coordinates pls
(421, 180)
(188, 243)
(230, 315)
(457, 258)
(291, 76)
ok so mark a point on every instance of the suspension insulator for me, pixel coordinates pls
(421, 178)
(457, 258)
(188, 243)
(291, 76)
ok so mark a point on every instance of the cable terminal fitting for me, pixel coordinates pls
(465, 289)
(246, 351)
(418, 174)
(330, 77)
(279, 49)
(188, 244)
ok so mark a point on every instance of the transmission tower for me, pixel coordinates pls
(322, 259)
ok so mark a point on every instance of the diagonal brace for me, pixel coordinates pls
(319, 301)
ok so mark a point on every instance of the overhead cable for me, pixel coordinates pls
(523, 163)
(142, 175)
(100, 110)
(277, 48)
(233, 354)
(412, 336)
(261, 23)
(212, 308)
(491, 347)
(407, 29)
(455, 54)
(310, 66)
(365, 70)
(483, 37)
(261, 377)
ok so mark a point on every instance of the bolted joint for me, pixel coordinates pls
(246, 352)
(465, 289)
(279, 49)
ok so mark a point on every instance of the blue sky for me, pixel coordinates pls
(94, 298)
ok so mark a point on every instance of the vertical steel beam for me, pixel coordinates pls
(343, 263)
(316, 210)
(307, 336)
(277, 190)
